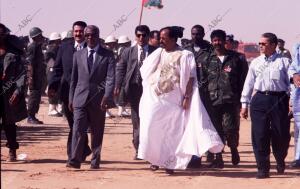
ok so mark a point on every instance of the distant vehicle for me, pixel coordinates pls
(251, 50)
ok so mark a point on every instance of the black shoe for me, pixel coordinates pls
(195, 162)
(170, 171)
(95, 167)
(33, 120)
(295, 164)
(12, 155)
(154, 167)
(235, 157)
(280, 168)
(86, 154)
(73, 165)
(210, 157)
(217, 164)
(262, 175)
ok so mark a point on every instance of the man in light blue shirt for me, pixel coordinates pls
(268, 76)
(294, 72)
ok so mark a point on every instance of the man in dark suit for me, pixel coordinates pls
(128, 74)
(60, 76)
(92, 83)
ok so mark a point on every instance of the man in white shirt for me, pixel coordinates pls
(268, 76)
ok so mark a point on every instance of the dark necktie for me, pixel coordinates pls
(90, 60)
(142, 57)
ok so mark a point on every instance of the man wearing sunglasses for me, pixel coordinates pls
(269, 107)
(128, 75)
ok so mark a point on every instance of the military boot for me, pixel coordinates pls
(218, 162)
(12, 155)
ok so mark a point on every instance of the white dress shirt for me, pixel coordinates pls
(79, 46)
(95, 51)
(266, 74)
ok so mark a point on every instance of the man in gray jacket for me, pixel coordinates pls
(92, 83)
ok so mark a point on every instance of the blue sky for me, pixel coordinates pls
(247, 20)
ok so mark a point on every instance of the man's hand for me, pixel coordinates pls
(116, 91)
(104, 104)
(71, 107)
(244, 113)
(14, 99)
(51, 93)
(186, 103)
(296, 80)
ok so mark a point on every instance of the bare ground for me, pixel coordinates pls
(44, 167)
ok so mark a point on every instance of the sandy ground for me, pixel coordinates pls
(44, 167)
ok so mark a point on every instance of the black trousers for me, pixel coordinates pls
(134, 98)
(270, 125)
(11, 135)
(34, 100)
(226, 119)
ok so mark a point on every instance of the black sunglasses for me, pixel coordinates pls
(262, 44)
(141, 34)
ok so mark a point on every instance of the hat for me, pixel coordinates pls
(66, 34)
(34, 32)
(110, 39)
(123, 39)
(54, 36)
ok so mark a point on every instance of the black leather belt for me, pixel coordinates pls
(272, 93)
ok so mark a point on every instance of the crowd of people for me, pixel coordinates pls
(192, 95)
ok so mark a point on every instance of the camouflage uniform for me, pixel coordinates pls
(220, 87)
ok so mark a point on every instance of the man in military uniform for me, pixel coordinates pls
(12, 98)
(200, 48)
(283, 51)
(221, 82)
(36, 71)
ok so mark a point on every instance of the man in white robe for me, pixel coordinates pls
(169, 132)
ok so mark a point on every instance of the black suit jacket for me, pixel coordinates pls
(127, 65)
(62, 69)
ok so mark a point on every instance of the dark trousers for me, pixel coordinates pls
(134, 97)
(55, 99)
(90, 115)
(11, 135)
(34, 100)
(270, 124)
(226, 119)
(70, 118)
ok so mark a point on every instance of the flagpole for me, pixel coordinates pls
(141, 13)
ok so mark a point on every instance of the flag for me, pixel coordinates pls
(153, 3)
